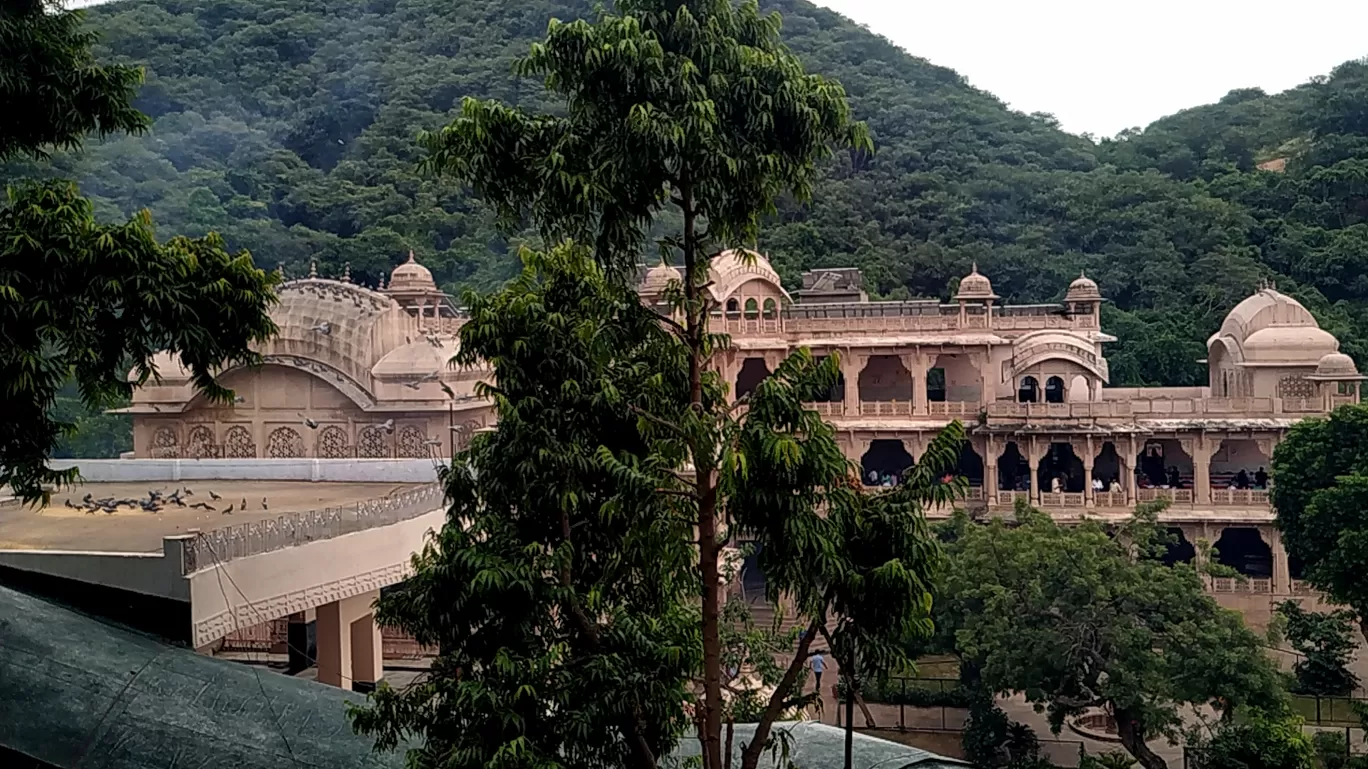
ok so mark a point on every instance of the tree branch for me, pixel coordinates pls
(751, 755)
(676, 429)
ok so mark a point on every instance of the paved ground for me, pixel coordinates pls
(130, 529)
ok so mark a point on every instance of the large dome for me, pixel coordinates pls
(1271, 328)
(974, 286)
(657, 278)
(732, 268)
(1083, 289)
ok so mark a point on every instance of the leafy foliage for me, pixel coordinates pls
(1325, 643)
(289, 127)
(1321, 498)
(1077, 620)
(1253, 741)
(80, 300)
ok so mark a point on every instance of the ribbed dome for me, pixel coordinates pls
(1083, 289)
(1336, 365)
(412, 276)
(1288, 344)
(975, 286)
(657, 278)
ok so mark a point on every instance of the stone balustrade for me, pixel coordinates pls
(1162, 408)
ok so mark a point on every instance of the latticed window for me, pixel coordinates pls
(164, 443)
(372, 444)
(411, 442)
(201, 443)
(332, 443)
(1296, 387)
(284, 443)
(238, 443)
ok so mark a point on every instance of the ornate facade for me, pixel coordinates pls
(1032, 384)
(354, 372)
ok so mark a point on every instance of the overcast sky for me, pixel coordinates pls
(1104, 65)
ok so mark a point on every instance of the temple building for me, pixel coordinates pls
(1032, 384)
(354, 372)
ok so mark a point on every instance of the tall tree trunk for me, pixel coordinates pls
(1131, 730)
(750, 757)
(705, 487)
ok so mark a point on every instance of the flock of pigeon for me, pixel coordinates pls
(155, 502)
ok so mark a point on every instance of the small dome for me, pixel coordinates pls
(1336, 365)
(657, 278)
(975, 286)
(412, 276)
(416, 359)
(1083, 289)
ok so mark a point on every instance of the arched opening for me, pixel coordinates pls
(1242, 549)
(1163, 464)
(771, 309)
(753, 372)
(1054, 390)
(884, 378)
(1107, 470)
(752, 577)
(1014, 472)
(1079, 389)
(1178, 550)
(733, 308)
(884, 463)
(1060, 470)
(752, 309)
(1028, 391)
(953, 378)
(971, 465)
(1238, 464)
(837, 392)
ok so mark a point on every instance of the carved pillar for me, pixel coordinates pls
(1282, 572)
(1089, 457)
(917, 364)
(852, 364)
(349, 642)
(1128, 457)
(859, 446)
(1035, 451)
(1200, 449)
(990, 470)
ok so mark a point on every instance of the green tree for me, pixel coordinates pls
(564, 591)
(1255, 740)
(1321, 498)
(1325, 643)
(85, 301)
(1076, 620)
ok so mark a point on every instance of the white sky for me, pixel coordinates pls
(1101, 66)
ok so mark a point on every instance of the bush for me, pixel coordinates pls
(893, 692)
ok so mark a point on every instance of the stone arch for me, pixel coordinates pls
(1079, 389)
(970, 465)
(410, 443)
(1028, 391)
(953, 377)
(1054, 390)
(1242, 549)
(887, 459)
(837, 392)
(733, 307)
(1060, 462)
(332, 443)
(753, 372)
(165, 444)
(1014, 472)
(373, 443)
(1239, 463)
(238, 443)
(885, 378)
(200, 443)
(328, 374)
(771, 310)
(284, 443)
(1107, 467)
(1159, 460)
(1178, 549)
(752, 309)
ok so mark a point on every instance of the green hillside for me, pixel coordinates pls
(288, 126)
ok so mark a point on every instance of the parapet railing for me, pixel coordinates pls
(1161, 408)
(256, 537)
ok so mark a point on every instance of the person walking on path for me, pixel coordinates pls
(818, 667)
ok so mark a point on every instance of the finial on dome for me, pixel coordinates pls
(280, 270)
(382, 281)
(346, 272)
(313, 268)
(1082, 274)
(411, 259)
(973, 268)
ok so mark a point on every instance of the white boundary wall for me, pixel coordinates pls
(175, 470)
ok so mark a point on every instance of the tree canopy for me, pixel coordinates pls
(83, 301)
(1078, 620)
(1320, 493)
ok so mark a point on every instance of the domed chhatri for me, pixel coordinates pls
(1083, 289)
(975, 287)
(412, 276)
(657, 278)
(1336, 367)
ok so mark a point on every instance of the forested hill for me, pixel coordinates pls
(288, 126)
